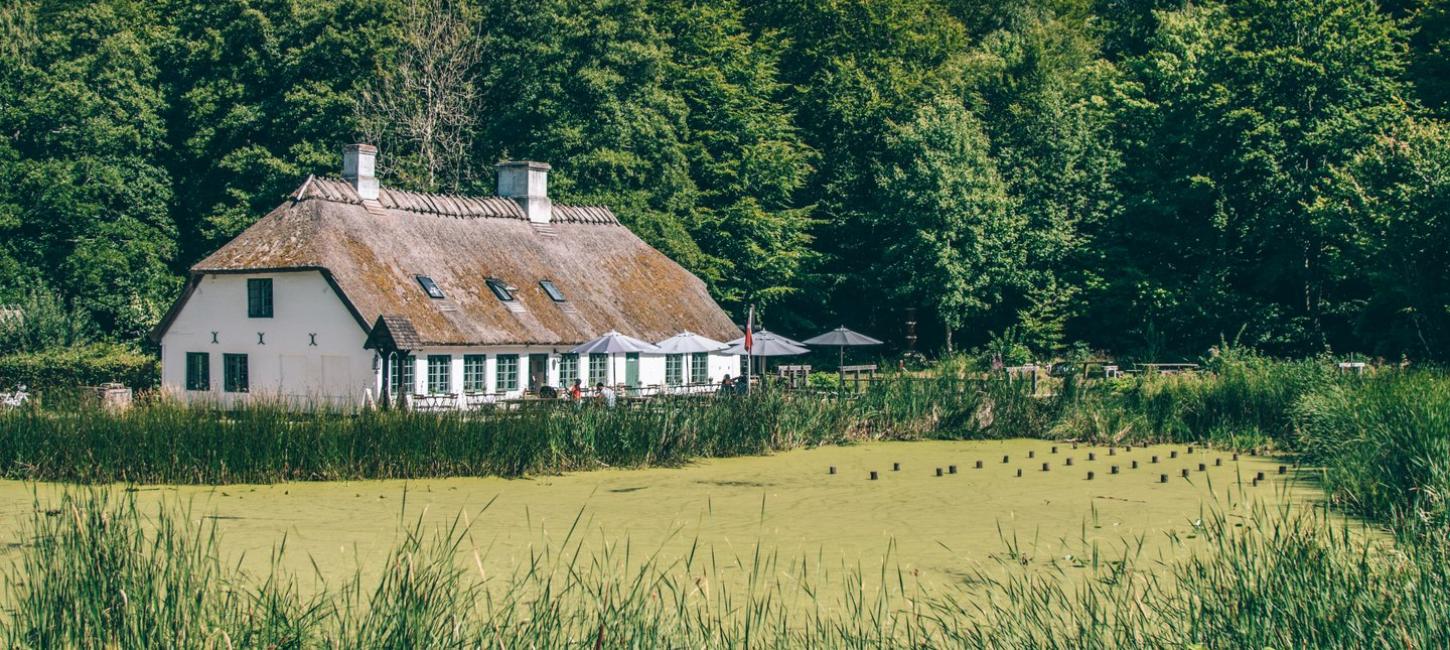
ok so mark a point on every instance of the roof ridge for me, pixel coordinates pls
(336, 190)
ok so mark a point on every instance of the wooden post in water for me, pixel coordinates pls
(1162, 478)
(1113, 469)
(951, 469)
(1090, 475)
(896, 467)
(833, 469)
(938, 471)
(873, 474)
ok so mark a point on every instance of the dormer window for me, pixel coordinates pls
(554, 293)
(500, 289)
(430, 286)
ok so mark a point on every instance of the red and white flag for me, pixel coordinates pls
(749, 335)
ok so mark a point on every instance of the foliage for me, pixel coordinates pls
(1142, 176)
(84, 365)
(41, 321)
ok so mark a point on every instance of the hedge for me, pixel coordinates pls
(88, 365)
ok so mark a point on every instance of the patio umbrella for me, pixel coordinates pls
(768, 345)
(689, 343)
(842, 337)
(760, 333)
(613, 342)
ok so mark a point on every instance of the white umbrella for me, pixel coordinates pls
(613, 342)
(689, 343)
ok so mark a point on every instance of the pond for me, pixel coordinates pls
(939, 530)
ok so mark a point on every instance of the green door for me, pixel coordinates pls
(631, 369)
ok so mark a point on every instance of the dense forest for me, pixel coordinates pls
(1147, 177)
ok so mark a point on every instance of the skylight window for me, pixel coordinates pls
(501, 289)
(431, 287)
(554, 293)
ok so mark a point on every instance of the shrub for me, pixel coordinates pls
(88, 365)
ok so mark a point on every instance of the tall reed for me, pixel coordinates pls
(102, 574)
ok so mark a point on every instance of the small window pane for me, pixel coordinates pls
(506, 376)
(236, 378)
(259, 297)
(674, 369)
(568, 368)
(598, 367)
(403, 374)
(500, 289)
(473, 368)
(431, 287)
(700, 368)
(440, 369)
(553, 291)
(198, 371)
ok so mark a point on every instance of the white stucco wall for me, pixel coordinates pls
(287, 363)
(651, 368)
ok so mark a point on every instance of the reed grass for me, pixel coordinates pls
(100, 573)
(165, 442)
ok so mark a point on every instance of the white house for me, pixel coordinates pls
(349, 292)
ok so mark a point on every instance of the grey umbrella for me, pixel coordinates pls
(768, 345)
(613, 342)
(760, 333)
(842, 337)
(690, 342)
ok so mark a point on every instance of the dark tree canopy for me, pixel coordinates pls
(1143, 177)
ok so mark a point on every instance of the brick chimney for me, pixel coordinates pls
(527, 183)
(358, 163)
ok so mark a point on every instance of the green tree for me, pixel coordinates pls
(745, 154)
(1392, 206)
(1244, 112)
(1044, 97)
(83, 204)
(262, 93)
(953, 238)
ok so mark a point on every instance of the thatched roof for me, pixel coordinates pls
(372, 254)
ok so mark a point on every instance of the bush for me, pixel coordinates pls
(88, 365)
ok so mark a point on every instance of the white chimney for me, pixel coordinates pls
(358, 163)
(527, 183)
